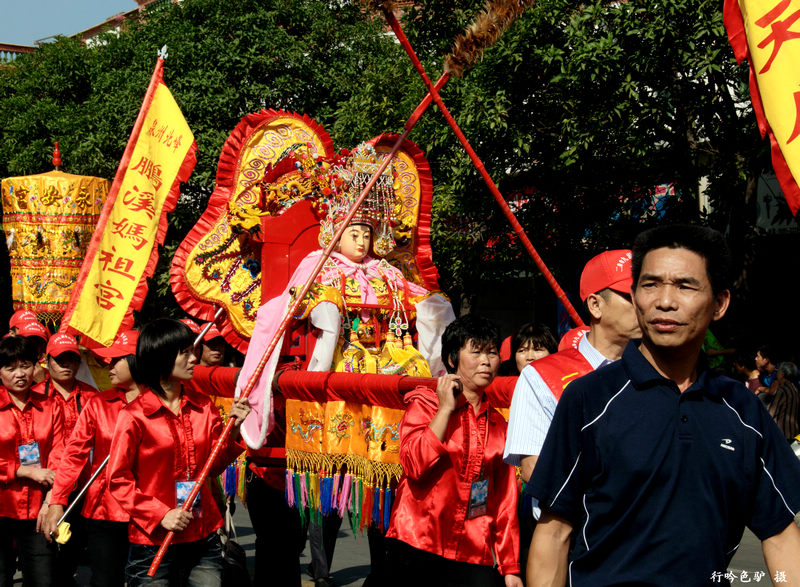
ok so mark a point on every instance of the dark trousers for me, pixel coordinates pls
(108, 552)
(37, 556)
(279, 535)
(411, 566)
(322, 534)
(189, 564)
(527, 524)
(378, 563)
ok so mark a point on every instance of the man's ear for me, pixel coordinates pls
(594, 304)
(722, 301)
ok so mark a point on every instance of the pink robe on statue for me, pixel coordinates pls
(434, 313)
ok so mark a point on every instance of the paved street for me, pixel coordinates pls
(351, 558)
(350, 561)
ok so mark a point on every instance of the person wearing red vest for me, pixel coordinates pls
(106, 521)
(605, 288)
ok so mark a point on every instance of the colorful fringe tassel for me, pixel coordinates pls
(232, 481)
(347, 495)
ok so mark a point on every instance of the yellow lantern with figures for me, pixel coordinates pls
(48, 220)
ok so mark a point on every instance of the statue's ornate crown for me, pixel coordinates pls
(376, 211)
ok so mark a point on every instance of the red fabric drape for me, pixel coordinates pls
(372, 389)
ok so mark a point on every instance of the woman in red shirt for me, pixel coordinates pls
(31, 442)
(161, 442)
(456, 506)
(71, 395)
(106, 521)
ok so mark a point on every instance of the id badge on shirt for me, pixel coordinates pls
(182, 490)
(29, 454)
(478, 497)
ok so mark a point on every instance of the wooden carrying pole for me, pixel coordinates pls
(376, 389)
(432, 91)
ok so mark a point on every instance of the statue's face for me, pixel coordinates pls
(355, 241)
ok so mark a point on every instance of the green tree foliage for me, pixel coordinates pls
(577, 112)
(227, 58)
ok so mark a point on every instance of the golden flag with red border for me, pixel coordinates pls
(124, 249)
(767, 33)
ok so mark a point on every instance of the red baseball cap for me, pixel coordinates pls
(505, 349)
(212, 333)
(21, 317)
(611, 270)
(191, 324)
(124, 344)
(572, 337)
(61, 343)
(33, 329)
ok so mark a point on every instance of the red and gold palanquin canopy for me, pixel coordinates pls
(48, 221)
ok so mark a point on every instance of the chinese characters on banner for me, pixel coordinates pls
(124, 249)
(767, 32)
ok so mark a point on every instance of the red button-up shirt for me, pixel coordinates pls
(432, 500)
(39, 421)
(91, 436)
(153, 449)
(268, 462)
(71, 406)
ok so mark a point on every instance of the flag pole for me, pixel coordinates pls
(78, 497)
(199, 340)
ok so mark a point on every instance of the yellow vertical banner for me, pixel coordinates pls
(767, 33)
(124, 249)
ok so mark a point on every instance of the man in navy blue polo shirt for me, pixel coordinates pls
(653, 465)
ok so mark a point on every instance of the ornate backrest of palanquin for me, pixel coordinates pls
(216, 267)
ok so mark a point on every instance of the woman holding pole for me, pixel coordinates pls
(455, 513)
(161, 442)
(107, 522)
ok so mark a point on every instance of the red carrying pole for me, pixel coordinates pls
(273, 343)
(433, 92)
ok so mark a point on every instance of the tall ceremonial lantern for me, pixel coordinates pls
(48, 220)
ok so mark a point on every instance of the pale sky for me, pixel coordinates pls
(22, 22)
